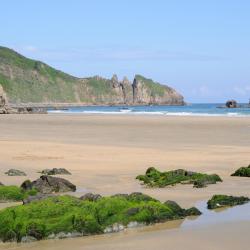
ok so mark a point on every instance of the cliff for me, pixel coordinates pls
(29, 81)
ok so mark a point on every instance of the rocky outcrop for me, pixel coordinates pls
(29, 81)
(146, 91)
(4, 106)
(221, 200)
(48, 184)
(243, 172)
(231, 104)
(55, 171)
(15, 172)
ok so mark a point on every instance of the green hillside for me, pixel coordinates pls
(29, 81)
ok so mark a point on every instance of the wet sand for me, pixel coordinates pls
(105, 153)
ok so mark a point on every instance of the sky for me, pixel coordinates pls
(201, 48)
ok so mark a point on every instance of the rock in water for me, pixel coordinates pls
(55, 171)
(48, 184)
(231, 104)
(15, 172)
(218, 201)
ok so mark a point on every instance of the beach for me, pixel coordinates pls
(105, 153)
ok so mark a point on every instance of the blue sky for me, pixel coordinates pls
(201, 48)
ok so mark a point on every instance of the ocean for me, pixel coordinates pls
(203, 109)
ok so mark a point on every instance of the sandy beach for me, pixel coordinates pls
(105, 153)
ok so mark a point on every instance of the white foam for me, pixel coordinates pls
(163, 113)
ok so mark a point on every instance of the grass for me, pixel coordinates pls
(218, 201)
(14, 193)
(69, 214)
(154, 88)
(155, 178)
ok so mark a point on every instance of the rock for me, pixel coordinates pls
(115, 82)
(175, 207)
(218, 201)
(193, 211)
(15, 172)
(116, 227)
(132, 211)
(231, 104)
(138, 196)
(120, 195)
(243, 172)
(133, 224)
(55, 171)
(63, 235)
(209, 179)
(51, 236)
(4, 105)
(1, 184)
(28, 239)
(156, 178)
(90, 197)
(37, 197)
(48, 184)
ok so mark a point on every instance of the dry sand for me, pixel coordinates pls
(105, 153)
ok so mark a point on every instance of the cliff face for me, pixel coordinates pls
(25, 80)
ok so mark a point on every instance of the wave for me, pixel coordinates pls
(158, 113)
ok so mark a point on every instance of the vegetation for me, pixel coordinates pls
(54, 215)
(14, 193)
(155, 178)
(26, 80)
(218, 201)
(155, 88)
(243, 171)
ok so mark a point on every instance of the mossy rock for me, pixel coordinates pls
(218, 201)
(155, 178)
(14, 193)
(67, 214)
(243, 172)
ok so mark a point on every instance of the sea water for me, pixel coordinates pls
(187, 110)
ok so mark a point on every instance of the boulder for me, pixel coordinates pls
(243, 172)
(48, 184)
(37, 197)
(231, 104)
(1, 184)
(55, 171)
(220, 200)
(15, 172)
(90, 197)
(28, 239)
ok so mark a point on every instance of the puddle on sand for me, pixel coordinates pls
(218, 216)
